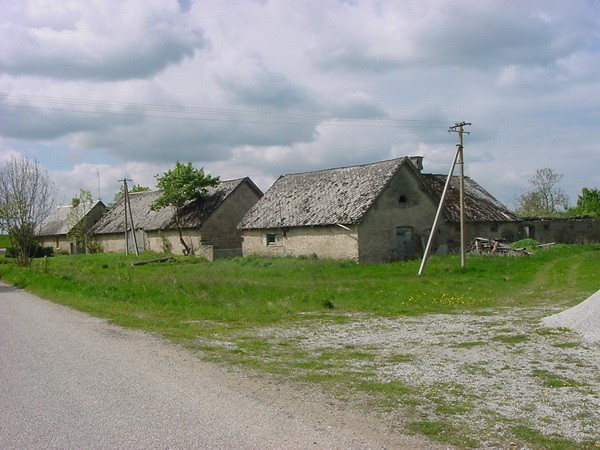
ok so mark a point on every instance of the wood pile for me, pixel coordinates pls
(483, 246)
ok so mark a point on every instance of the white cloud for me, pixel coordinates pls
(95, 40)
(265, 88)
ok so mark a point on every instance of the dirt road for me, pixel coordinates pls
(68, 380)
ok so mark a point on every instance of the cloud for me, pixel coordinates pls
(95, 40)
(263, 88)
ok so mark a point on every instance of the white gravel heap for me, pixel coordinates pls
(583, 318)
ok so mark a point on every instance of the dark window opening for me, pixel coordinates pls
(402, 199)
(270, 238)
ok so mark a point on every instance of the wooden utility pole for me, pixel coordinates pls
(126, 207)
(458, 156)
(458, 128)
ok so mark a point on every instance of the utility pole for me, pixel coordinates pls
(127, 206)
(458, 128)
(458, 156)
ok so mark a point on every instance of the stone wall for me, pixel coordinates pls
(568, 230)
(220, 229)
(332, 242)
(404, 206)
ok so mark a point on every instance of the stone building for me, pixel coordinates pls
(58, 229)
(566, 230)
(209, 224)
(368, 213)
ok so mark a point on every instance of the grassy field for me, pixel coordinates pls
(219, 308)
(4, 241)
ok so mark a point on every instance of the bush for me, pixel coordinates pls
(35, 251)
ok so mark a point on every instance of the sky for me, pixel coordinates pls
(101, 90)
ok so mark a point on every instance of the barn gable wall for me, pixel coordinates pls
(404, 205)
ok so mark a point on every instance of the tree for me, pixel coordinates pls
(588, 203)
(547, 199)
(178, 187)
(27, 196)
(76, 219)
(121, 193)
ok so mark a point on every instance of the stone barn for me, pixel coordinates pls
(58, 229)
(209, 224)
(367, 213)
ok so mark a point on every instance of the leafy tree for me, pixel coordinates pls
(179, 186)
(76, 219)
(588, 203)
(547, 198)
(27, 196)
(135, 188)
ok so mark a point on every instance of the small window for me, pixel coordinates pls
(571, 226)
(270, 238)
(402, 199)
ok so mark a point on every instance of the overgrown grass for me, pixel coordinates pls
(4, 241)
(257, 291)
(206, 305)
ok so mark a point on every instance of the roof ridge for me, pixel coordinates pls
(346, 167)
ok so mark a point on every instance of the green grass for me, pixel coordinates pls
(216, 308)
(553, 380)
(4, 241)
(259, 291)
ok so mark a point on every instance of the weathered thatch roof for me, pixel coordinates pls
(480, 205)
(193, 215)
(57, 223)
(326, 197)
(343, 196)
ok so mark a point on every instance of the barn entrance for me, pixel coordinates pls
(405, 247)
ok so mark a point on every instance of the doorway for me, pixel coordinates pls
(405, 248)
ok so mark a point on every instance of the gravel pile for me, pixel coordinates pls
(583, 318)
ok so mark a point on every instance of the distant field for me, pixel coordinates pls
(3, 241)
(258, 313)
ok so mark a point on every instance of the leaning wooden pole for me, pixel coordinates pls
(439, 212)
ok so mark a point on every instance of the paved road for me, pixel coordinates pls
(68, 380)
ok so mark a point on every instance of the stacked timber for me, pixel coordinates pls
(483, 246)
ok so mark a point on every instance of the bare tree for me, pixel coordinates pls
(547, 199)
(27, 196)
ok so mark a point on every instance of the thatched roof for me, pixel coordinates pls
(344, 195)
(325, 197)
(57, 223)
(480, 205)
(194, 214)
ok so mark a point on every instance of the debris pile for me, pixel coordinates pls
(483, 246)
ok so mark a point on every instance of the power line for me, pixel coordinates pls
(175, 112)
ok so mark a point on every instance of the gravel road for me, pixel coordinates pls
(68, 380)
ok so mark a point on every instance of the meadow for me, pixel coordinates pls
(227, 310)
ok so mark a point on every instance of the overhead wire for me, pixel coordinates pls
(180, 112)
